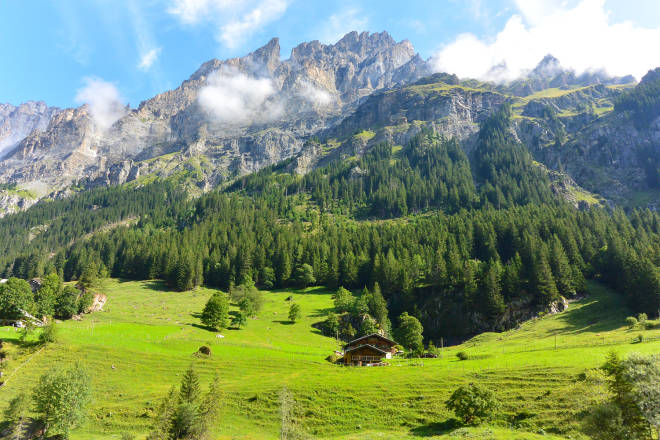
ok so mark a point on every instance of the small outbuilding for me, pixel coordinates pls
(369, 350)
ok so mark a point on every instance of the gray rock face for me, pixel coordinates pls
(18, 122)
(318, 85)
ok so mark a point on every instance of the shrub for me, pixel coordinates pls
(605, 422)
(642, 318)
(85, 302)
(472, 403)
(333, 358)
(61, 397)
(49, 333)
(205, 350)
(249, 299)
(66, 304)
(631, 321)
(331, 325)
(639, 338)
(294, 312)
(463, 356)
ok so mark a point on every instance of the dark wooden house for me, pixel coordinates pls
(368, 350)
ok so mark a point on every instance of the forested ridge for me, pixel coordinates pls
(461, 243)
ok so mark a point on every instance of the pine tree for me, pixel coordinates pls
(162, 427)
(378, 309)
(189, 391)
(543, 282)
(561, 269)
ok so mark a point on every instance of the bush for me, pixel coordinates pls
(605, 422)
(463, 356)
(472, 403)
(333, 358)
(205, 350)
(49, 333)
(642, 318)
(66, 304)
(248, 298)
(61, 397)
(294, 313)
(631, 321)
(639, 338)
(85, 302)
(331, 325)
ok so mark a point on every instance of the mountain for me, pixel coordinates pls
(549, 73)
(236, 116)
(239, 114)
(17, 122)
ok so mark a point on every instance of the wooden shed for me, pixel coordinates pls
(368, 350)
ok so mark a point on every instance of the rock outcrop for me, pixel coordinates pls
(16, 122)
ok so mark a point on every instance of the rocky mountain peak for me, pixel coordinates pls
(315, 88)
(548, 68)
(651, 77)
(17, 122)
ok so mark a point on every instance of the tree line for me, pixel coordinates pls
(495, 240)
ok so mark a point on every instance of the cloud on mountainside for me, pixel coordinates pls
(104, 100)
(581, 36)
(314, 95)
(232, 97)
(236, 20)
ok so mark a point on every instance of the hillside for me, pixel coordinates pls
(146, 337)
(364, 83)
(513, 224)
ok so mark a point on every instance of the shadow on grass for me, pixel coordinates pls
(322, 313)
(434, 429)
(157, 285)
(205, 327)
(602, 311)
(315, 290)
(284, 322)
(213, 330)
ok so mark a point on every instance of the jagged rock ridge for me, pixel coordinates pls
(17, 122)
(72, 148)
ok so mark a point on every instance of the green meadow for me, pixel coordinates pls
(137, 348)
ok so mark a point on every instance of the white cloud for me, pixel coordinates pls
(235, 20)
(149, 58)
(581, 36)
(194, 11)
(231, 97)
(343, 22)
(105, 103)
(234, 32)
(315, 95)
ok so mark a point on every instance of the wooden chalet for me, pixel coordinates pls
(369, 350)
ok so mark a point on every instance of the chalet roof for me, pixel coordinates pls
(365, 345)
(376, 335)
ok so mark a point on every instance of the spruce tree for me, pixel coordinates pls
(543, 282)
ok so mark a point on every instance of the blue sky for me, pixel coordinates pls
(51, 49)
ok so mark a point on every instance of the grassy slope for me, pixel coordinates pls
(149, 335)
